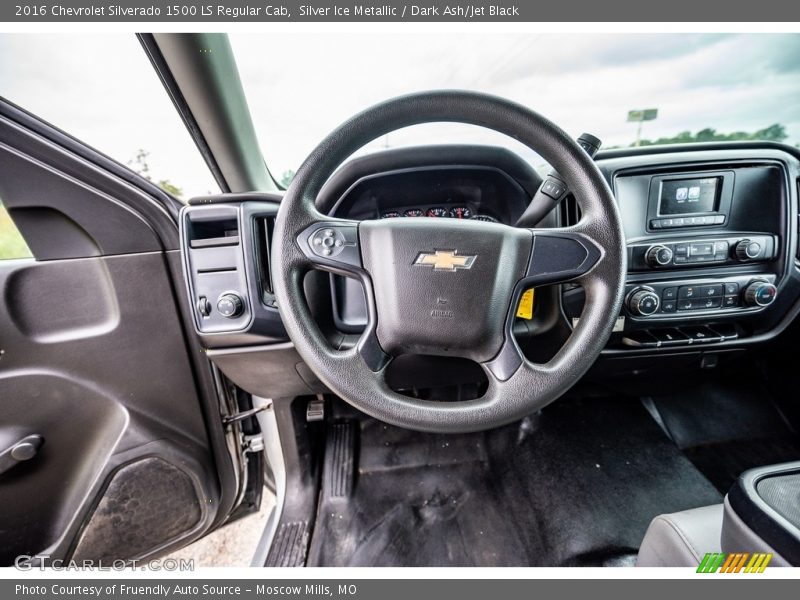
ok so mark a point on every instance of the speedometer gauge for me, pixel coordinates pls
(437, 211)
(460, 212)
(414, 212)
(485, 218)
(390, 214)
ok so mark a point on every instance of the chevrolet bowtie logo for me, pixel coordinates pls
(444, 260)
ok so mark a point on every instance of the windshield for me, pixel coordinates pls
(626, 89)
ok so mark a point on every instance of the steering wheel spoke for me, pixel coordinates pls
(506, 363)
(559, 256)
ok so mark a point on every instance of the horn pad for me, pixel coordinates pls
(443, 287)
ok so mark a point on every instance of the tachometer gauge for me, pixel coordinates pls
(460, 212)
(437, 211)
(390, 214)
(485, 218)
(414, 212)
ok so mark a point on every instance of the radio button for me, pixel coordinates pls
(707, 303)
(699, 303)
(707, 291)
(658, 255)
(669, 293)
(688, 291)
(748, 250)
(730, 301)
(719, 219)
(731, 288)
(669, 306)
(701, 249)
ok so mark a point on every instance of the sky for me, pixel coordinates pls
(102, 89)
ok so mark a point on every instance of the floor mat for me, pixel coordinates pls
(577, 485)
(727, 427)
(722, 463)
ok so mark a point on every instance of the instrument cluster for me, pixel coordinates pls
(438, 212)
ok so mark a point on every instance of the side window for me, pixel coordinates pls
(12, 245)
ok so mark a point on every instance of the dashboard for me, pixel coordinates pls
(711, 238)
(445, 192)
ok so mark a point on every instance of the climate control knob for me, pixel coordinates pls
(230, 305)
(643, 302)
(760, 293)
(747, 250)
(658, 255)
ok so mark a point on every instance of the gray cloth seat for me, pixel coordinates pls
(682, 539)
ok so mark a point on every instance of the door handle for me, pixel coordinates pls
(24, 450)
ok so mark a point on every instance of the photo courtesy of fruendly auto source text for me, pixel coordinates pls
(332, 299)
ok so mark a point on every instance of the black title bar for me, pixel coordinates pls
(520, 11)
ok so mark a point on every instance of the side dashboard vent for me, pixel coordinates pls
(570, 211)
(264, 228)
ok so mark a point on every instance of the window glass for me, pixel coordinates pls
(103, 90)
(12, 245)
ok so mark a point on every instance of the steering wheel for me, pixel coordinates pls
(447, 287)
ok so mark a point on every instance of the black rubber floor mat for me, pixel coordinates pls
(723, 463)
(580, 489)
(289, 547)
(719, 412)
(726, 427)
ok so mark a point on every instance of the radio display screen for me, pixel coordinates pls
(689, 196)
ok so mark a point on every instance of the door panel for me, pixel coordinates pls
(96, 359)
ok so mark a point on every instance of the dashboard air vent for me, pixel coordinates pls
(264, 227)
(570, 211)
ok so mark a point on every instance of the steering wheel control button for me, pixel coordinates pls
(327, 242)
(643, 302)
(553, 188)
(760, 293)
(230, 305)
(659, 255)
(336, 243)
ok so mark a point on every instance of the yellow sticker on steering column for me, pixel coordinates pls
(525, 308)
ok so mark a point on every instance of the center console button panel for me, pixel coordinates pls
(670, 299)
(677, 254)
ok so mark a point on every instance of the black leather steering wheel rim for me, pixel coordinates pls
(516, 387)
